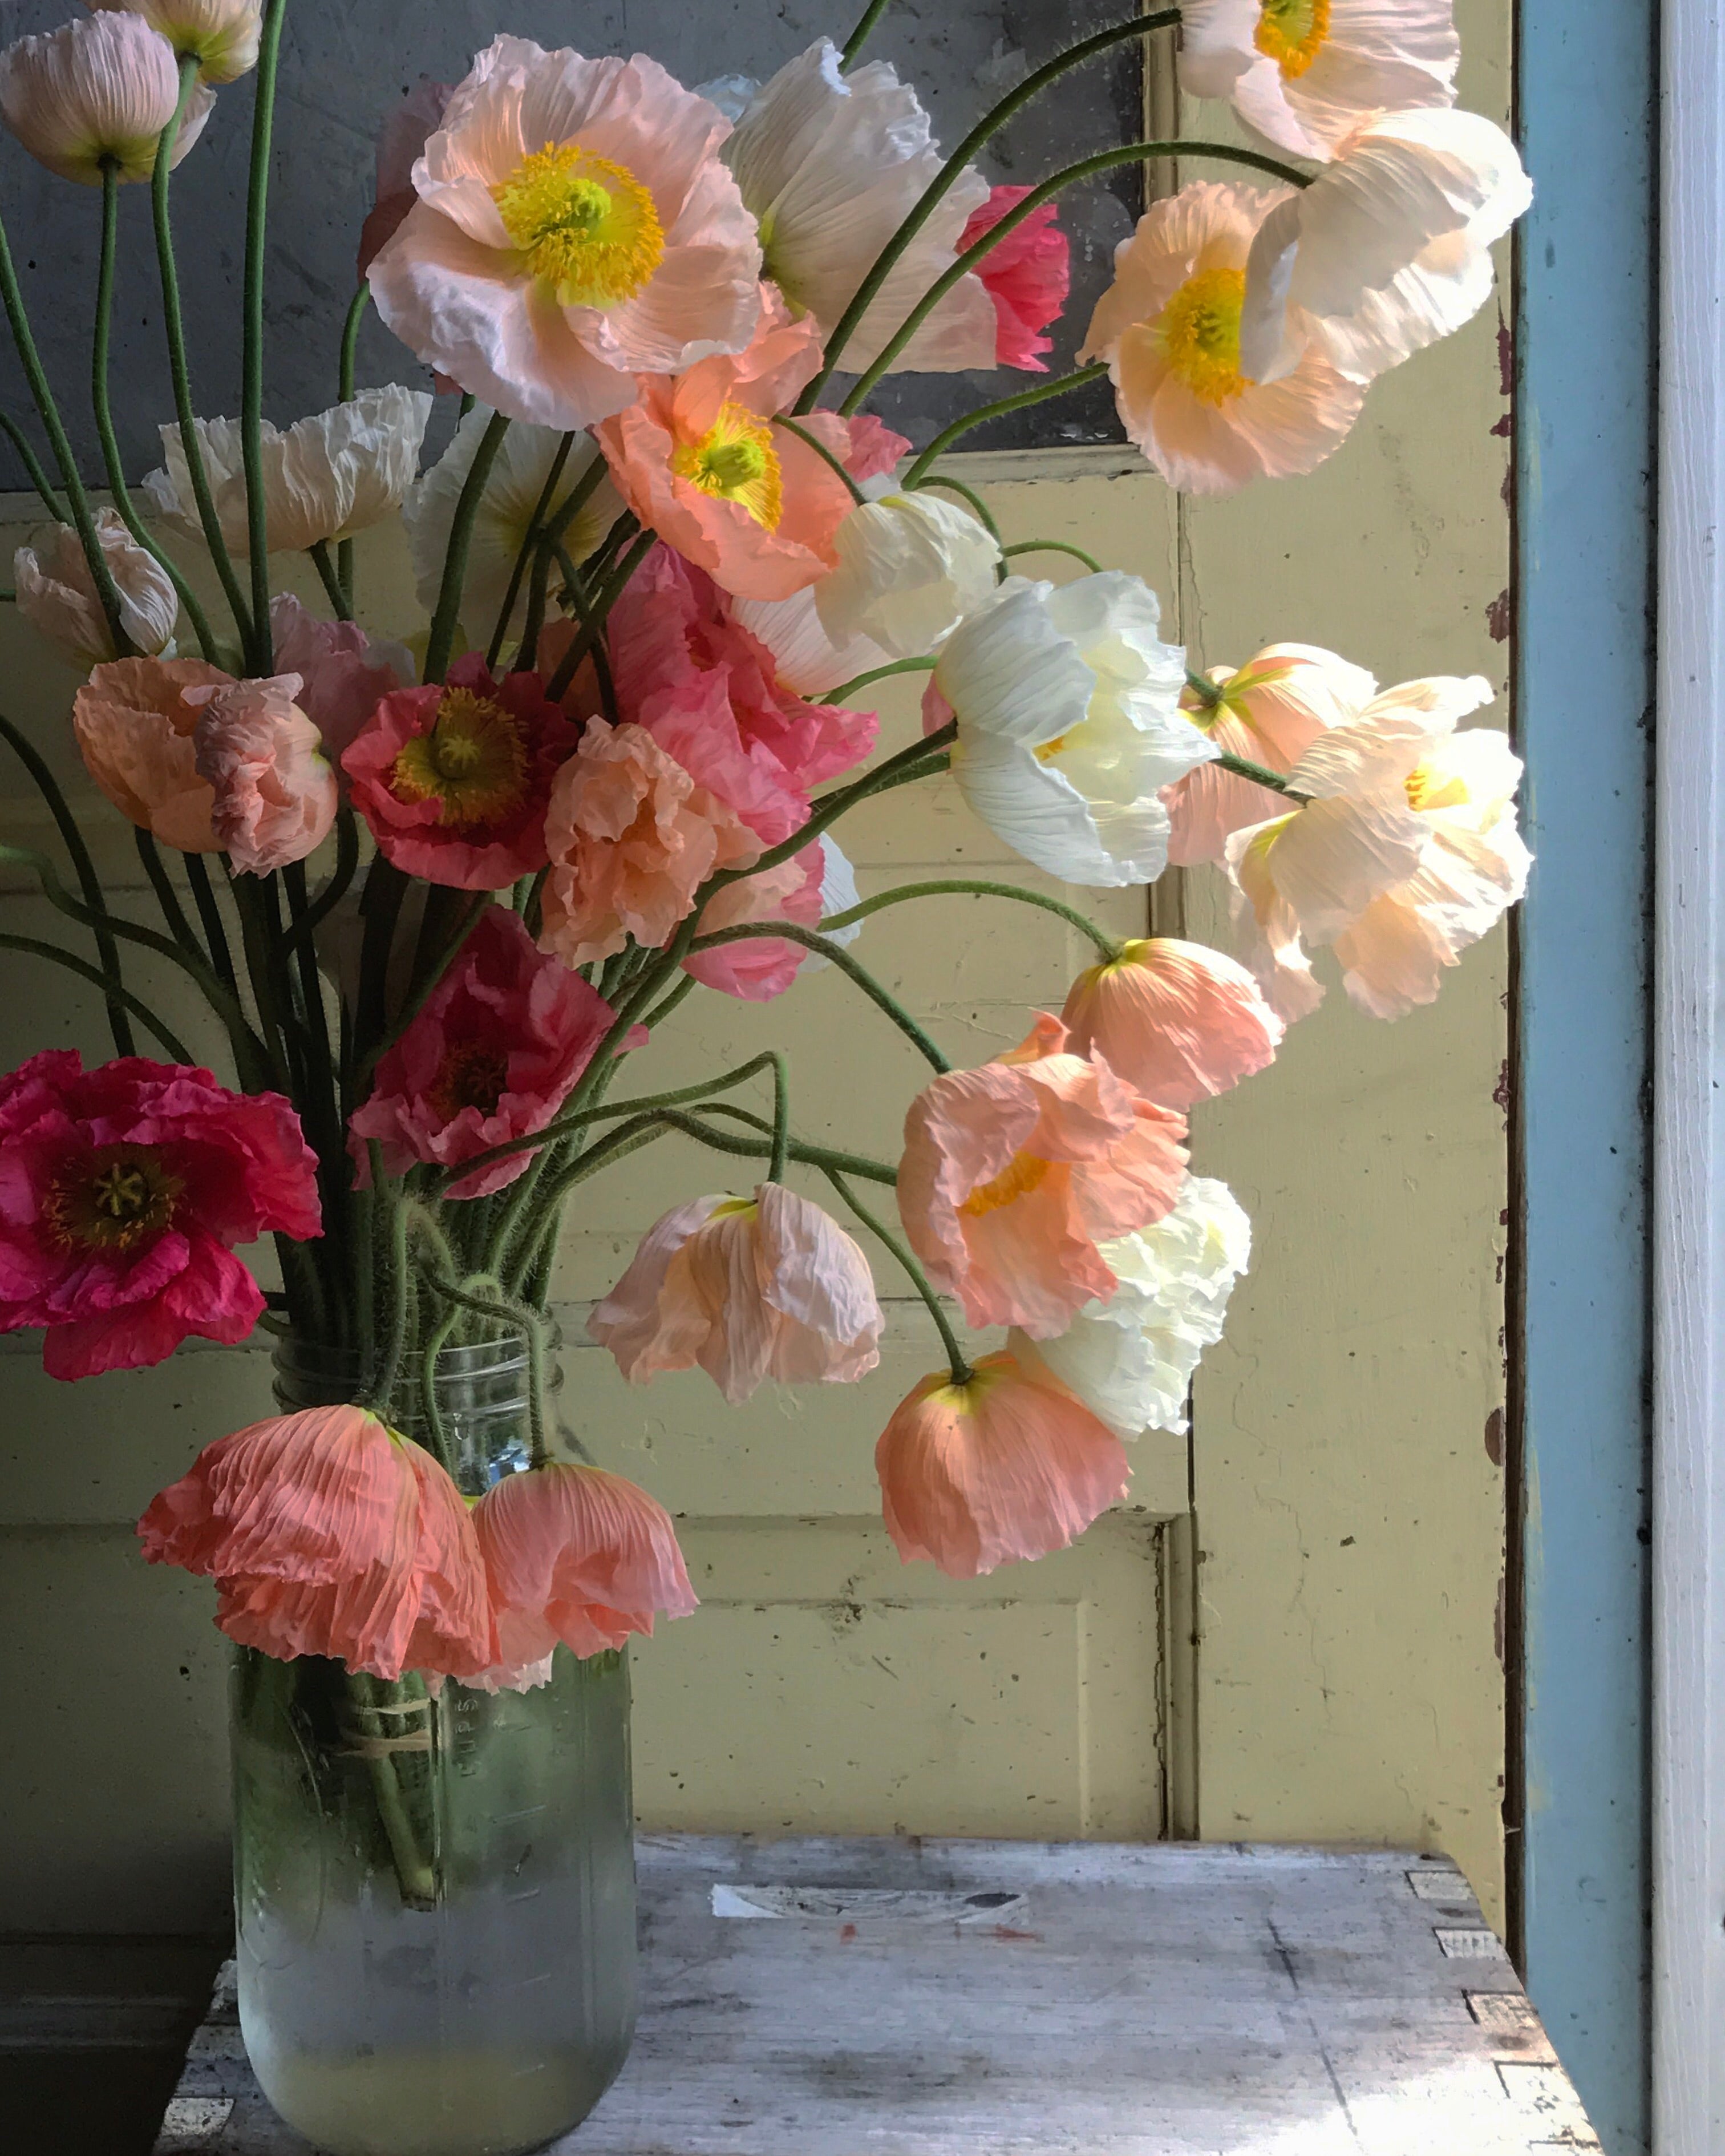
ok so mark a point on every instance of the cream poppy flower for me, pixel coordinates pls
(911, 567)
(1069, 725)
(507, 511)
(831, 164)
(324, 478)
(1169, 328)
(1303, 72)
(1131, 1358)
(223, 35)
(57, 594)
(96, 91)
(574, 229)
(1386, 251)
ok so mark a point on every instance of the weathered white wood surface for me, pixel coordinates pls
(816, 1998)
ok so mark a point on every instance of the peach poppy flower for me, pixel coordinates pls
(1178, 1022)
(274, 791)
(574, 229)
(1269, 711)
(1013, 1173)
(1169, 328)
(328, 1533)
(57, 594)
(136, 732)
(699, 461)
(222, 35)
(96, 92)
(748, 1288)
(757, 968)
(1008, 1464)
(577, 1555)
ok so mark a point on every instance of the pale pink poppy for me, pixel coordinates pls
(631, 838)
(1027, 277)
(748, 1289)
(1169, 328)
(222, 35)
(57, 594)
(275, 793)
(759, 967)
(344, 673)
(1178, 1022)
(136, 732)
(574, 229)
(1012, 1174)
(95, 95)
(1006, 1464)
(328, 1534)
(577, 1555)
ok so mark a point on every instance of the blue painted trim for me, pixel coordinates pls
(1585, 341)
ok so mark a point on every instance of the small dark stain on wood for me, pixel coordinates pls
(1494, 1437)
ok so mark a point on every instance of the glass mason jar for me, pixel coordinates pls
(434, 1896)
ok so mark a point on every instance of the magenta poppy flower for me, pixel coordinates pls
(1027, 277)
(123, 1193)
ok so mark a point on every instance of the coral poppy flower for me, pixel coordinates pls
(707, 690)
(222, 35)
(274, 795)
(490, 1058)
(748, 1288)
(911, 567)
(136, 732)
(699, 460)
(1169, 328)
(328, 1533)
(759, 967)
(1027, 277)
(57, 594)
(1013, 1173)
(407, 128)
(1008, 1464)
(1178, 1022)
(97, 93)
(123, 1193)
(344, 673)
(575, 229)
(575, 1554)
(453, 779)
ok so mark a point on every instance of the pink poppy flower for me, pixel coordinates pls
(123, 1193)
(1178, 1022)
(574, 229)
(759, 967)
(575, 1554)
(57, 594)
(275, 791)
(490, 1058)
(1012, 1174)
(748, 1288)
(1027, 277)
(632, 838)
(344, 673)
(136, 731)
(1009, 1465)
(95, 95)
(407, 128)
(708, 692)
(699, 460)
(453, 780)
(327, 1532)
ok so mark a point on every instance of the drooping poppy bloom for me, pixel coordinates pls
(757, 968)
(97, 92)
(490, 1058)
(327, 1532)
(911, 567)
(344, 673)
(124, 1191)
(1027, 277)
(407, 128)
(1178, 1022)
(574, 229)
(137, 734)
(223, 35)
(1169, 328)
(1013, 1174)
(574, 1554)
(57, 594)
(274, 791)
(453, 779)
(749, 1289)
(1008, 1465)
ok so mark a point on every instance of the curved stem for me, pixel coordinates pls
(790, 932)
(607, 598)
(827, 808)
(967, 886)
(215, 933)
(1260, 775)
(860, 36)
(878, 673)
(251, 424)
(576, 592)
(307, 923)
(781, 1116)
(444, 622)
(178, 1051)
(331, 578)
(918, 1278)
(524, 553)
(1061, 386)
(31, 464)
(811, 442)
(1053, 546)
(174, 914)
(985, 516)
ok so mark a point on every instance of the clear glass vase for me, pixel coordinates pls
(434, 1895)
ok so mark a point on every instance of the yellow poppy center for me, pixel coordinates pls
(585, 226)
(112, 1199)
(473, 1075)
(1022, 1175)
(735, 460)
(472, 761)
(1429, 789)
(1199, 332)
(1292, 32)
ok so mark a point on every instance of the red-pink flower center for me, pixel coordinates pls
(112, 1199)
(472, 1075)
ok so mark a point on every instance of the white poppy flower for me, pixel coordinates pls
(1386, 251)
(911, 567)
(97, 91)
(324, 478)
(1131, 1359)
(831, 164)
(57, 594)
(804, 657)
(506, 510)
(1069, 725)
(223, 34)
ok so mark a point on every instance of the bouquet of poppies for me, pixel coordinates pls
(442, 892)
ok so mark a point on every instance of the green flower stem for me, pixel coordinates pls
(1260, 775)
(877, 674)
(504, 1309)
(251, 423)
(582, 492)
(985, 516)
(1053, 546)
(1061, 386)
(967, 886)
(827, 808)
(444, 621)
(790, 932)
(526, 659)
(860, 36)
(209, 912)
(608, 594)
(1212, 694)
(525, 552)
(918, 1278)
(425, 983)
(174, 914)
(177, 1050)
(350, 355)
(812, 442)
(324, 1107)
(173, 324)
(31, 464)
(306, 924)
(415, 1876)
(260, 965)
(781, 1117)
(683, 989)
(330, 577)
(380, 906)
(391, 1203)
